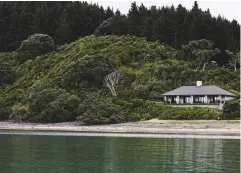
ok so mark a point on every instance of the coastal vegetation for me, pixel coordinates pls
(110, 76)
(231, 109)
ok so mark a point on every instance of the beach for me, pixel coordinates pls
(209, 127)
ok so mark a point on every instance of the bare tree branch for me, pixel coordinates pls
(112, 80)
(234, 59)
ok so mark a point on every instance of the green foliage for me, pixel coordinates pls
(104, 27)
(87, 71)
(7, 70)
(19, 112)
(47, 105)
(234, 58)
(176, 27)
(99, 109)
(7, 74)
(96, 110)
(185, 113)
(63, 21)
(35, 45)
(59, 86)
(117, 25)
(77, 69)
(231, 109)
(168, 75)
(5, 109)
(198, 44)
(200, 51)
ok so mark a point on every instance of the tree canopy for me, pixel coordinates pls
(67, 21)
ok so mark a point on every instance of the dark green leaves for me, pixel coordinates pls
(231, 109)
(88, 71)
(35, 45)
(47, 105)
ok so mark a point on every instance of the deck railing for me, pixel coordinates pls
(195, 103)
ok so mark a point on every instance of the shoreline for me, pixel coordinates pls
(197, 127)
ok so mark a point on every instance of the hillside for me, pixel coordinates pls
(68, 82)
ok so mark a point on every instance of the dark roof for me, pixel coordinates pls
(198, 90)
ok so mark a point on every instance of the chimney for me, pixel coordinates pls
(199, 83)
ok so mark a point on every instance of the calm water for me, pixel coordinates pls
(66, 153)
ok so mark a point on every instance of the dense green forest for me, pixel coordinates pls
(114, 74)
(67, 21)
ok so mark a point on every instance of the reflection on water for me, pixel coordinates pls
(132, 135)
(91, 154)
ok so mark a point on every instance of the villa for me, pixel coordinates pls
(198, 94)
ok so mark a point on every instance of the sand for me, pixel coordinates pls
(209, 127)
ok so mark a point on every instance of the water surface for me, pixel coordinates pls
(48, 152)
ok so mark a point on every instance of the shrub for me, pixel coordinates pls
(104, 28)
(19, 112)
(184, 113)
(231, 109)
(63, 108)
(96, 109)
(5, 109)
(7, 70)
(35, 45)
(99, 110)
(139, 110)
(87, 71)
(7, 74)
(48, 105)
(5, 112)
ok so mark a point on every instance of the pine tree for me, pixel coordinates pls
(134, 20)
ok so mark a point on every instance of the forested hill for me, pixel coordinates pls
(106, 79)
(67, 21)
(66, 61)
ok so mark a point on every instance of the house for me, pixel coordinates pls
(198, 94)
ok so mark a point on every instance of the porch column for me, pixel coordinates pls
(165, 98)
(220, 98)
(206, 99)
(191, 99)
(177, 99)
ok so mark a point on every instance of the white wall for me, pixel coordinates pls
(227, 98)
(202, 99)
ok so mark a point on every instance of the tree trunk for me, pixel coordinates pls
(204, 66)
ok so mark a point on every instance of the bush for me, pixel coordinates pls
(5, 112)
(48, 105)
(139, 110)
(5, 109)
(88, 71)
(104, 28)
(99, 110)
(7, 71)
(35, 45)
(231, 109)
(19, 112)
(184, 113)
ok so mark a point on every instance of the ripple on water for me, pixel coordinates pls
(125, 135)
